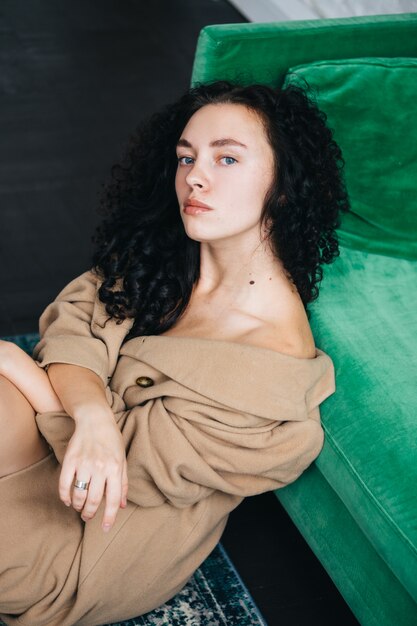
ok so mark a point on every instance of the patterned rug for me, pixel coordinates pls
(214, 596)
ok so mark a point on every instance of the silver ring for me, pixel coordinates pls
(79, 484)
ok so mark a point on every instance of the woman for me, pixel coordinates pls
(182, 374)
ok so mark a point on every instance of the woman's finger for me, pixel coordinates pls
(125, 485)
(66, 480)
(80, 490)
(113, 498)
(94, 496)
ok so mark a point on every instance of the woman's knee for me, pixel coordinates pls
(21, 444)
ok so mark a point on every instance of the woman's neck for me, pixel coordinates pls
(242, 291)
(226, 267)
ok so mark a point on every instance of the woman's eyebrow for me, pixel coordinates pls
(227, 141)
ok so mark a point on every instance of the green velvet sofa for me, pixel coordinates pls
(356, 505)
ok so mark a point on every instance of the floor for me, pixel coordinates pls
(75, 78)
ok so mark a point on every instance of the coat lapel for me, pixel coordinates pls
(246, 378)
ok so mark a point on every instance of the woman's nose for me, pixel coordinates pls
(197, 177)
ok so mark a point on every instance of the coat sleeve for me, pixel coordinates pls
(75, 329)
(183, 459)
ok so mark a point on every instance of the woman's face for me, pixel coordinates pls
(225, 168)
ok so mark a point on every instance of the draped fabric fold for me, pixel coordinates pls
(217, 416)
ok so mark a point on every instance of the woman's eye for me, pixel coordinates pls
(228, 160)
(185, 160)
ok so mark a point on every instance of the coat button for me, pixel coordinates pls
(144, 381)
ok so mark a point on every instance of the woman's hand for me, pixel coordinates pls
(95, 455)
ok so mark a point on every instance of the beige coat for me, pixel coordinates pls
(219, 422)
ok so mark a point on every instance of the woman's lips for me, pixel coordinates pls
(195, 207)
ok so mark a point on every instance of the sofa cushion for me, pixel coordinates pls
(370, 105)
(366, 320)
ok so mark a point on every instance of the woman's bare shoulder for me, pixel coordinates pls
(290, 334)
(299, 345)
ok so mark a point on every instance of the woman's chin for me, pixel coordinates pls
(198, 233)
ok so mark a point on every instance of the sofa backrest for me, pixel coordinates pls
(363, 74)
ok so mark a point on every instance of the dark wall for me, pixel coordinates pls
(76, 76)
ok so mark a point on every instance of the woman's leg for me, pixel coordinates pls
(21, 370)
(21, 444)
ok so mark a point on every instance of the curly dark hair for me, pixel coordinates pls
(148, 264)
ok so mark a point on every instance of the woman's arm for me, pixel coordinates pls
(75, 329)
(96, 452)
(31, 380)
(80, 346)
